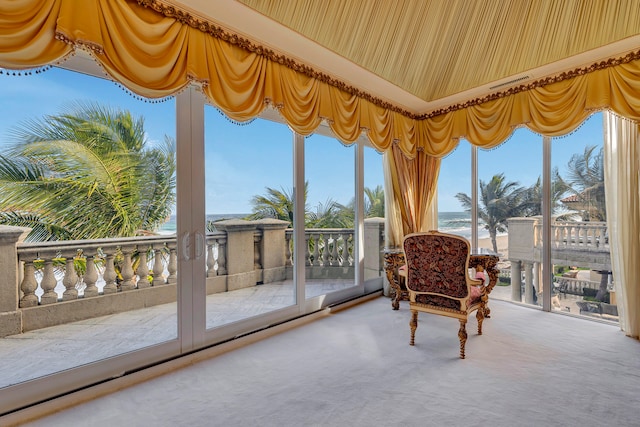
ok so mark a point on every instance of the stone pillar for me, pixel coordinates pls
(10, 314)
(537, 284)
(528, 282)
(240, 252)
(373, 248)
(516, 280)
(523, 240)
(272, 249)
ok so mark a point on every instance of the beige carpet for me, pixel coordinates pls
(355, 368)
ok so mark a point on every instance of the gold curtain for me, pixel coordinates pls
(411, 187)
(155, 55)
(27, 34)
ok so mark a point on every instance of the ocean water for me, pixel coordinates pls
(170, 226)
(448, 222)
(459, 223)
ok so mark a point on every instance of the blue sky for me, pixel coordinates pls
(242, 160)
(519, 158)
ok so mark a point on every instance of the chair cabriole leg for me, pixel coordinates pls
(462, 334)
(480, 318)
(413, 323)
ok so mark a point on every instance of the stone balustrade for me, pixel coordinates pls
(573, 243)
(573, 286)
(50, 283)
(328, 252)
(90, 268)
(571, 234)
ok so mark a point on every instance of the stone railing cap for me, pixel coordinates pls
(374, 220)
(235, 225)
(271, 223)
(11, 234)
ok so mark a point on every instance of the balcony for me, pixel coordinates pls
(573, 244)
(70, 302)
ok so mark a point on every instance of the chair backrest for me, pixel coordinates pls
(438, 263)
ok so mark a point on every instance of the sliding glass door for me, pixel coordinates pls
(249, 203)
(582, 280)
(135, 231)
(90, 283)
(330, 240)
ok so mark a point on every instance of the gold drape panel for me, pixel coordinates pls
(27, 34)
(154, 55)
(413, 184)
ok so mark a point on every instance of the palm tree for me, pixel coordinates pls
(276, 204)
(330, 214)
(585, 177)
(86, 173)
(532, 202)
(499, 201)
(374, 203)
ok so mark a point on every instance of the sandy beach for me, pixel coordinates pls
(503, 248)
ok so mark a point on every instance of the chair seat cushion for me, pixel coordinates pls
(476, 294)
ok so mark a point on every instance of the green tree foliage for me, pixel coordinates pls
(331, 214)
(585, 179)
(374, 202)
(276, 204)
(499, 201)
(86, 173)
(373, 205)
(533, 195)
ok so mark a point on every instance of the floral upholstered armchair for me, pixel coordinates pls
(438, 280)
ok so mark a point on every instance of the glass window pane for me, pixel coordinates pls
(373, 217)
(454, 180)
(509, 206)
(582, 280)
(249, 206)
(90, 170)
(330, 209)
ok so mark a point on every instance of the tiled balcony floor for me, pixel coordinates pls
(45, 351)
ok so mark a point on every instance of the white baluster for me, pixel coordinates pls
(307, 254)
(127, 272)
(222, 257)
(345, 250)
(110, 287)
(143, 269)
(48, 283)
(28, 286)
(70, 280)
(315, 241)
(172, 267)
(334, 251)
(158, 268)
(325, 250)
(90, 278)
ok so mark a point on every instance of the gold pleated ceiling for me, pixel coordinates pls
(437, 48)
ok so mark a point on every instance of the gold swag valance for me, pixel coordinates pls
(155, 51)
